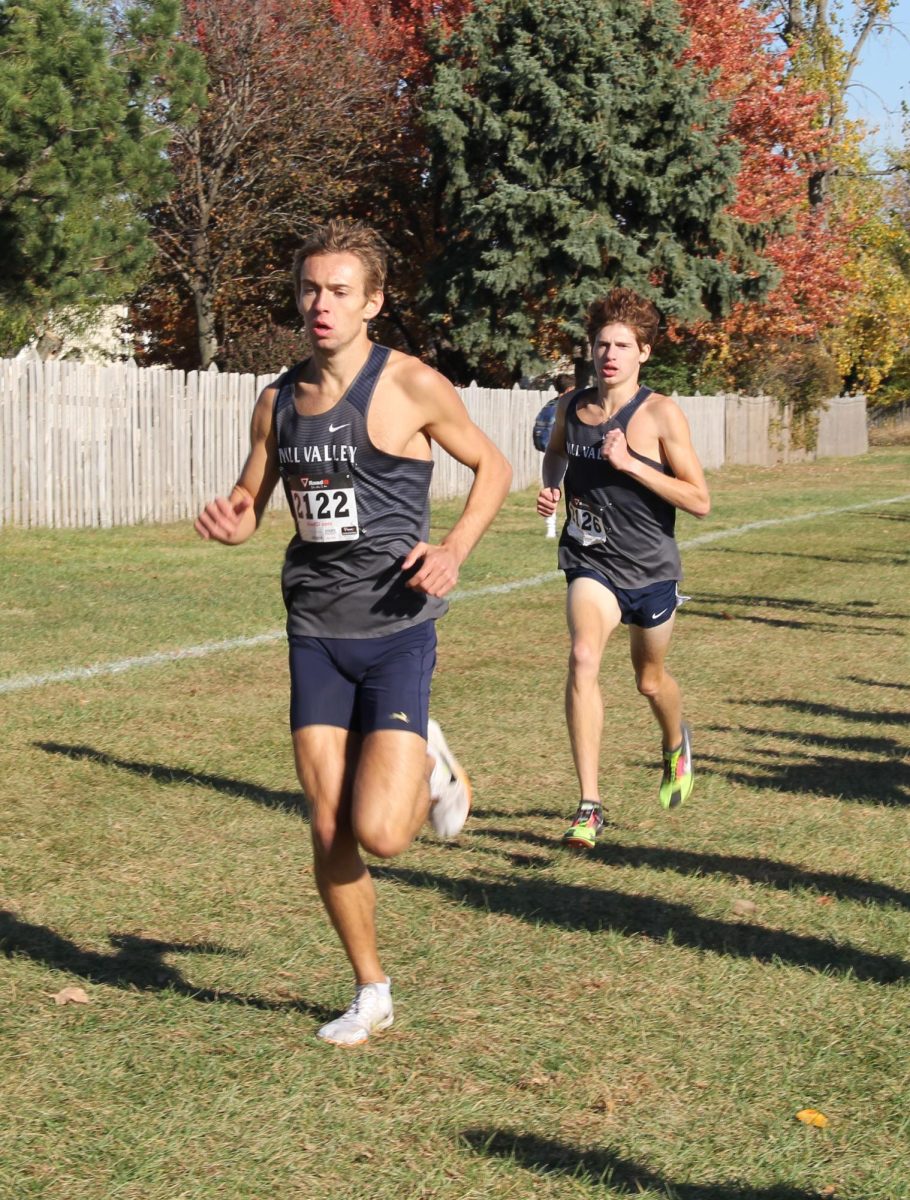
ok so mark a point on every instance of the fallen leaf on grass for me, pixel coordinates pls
(811, 1116)
(825, 900)
(830, 1190)
(744, 908)
(71, 995)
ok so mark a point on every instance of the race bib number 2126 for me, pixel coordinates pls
(586, 524)
(325, 508)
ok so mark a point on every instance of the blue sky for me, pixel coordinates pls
(882, 79)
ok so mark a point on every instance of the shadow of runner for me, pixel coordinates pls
(137, 964)
(292, 802)
(856, 781)
(850, 609)
(835, 765)
(547, 902)
(695, 608)
(882, 683)
(815, 708)
(768, 871)
(546, 1156)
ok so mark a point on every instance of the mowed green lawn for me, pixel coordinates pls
(645, 1021)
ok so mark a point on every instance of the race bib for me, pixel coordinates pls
(586, 524)
(325, 508)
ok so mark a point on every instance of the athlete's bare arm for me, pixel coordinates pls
(688, 490)
(233, 519)
(555, 462)
(445, 420)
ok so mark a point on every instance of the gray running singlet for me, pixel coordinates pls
(629, 529)
(359, 511)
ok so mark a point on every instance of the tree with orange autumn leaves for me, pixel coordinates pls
(777, 121)
(774, 118)
(223, 250)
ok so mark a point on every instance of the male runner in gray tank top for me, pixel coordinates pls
(348, 433)
(625, 458)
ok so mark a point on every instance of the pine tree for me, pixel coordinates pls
(81, 154)
(573, 149)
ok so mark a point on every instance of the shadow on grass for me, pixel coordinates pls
(767, 871)
(842, 776)
(882, 683)
(870, 557)
(137, 964)
(547, 902)
(851, 609)
(821, 763)
(696, 608)
(814, 708)
(889, 516)
(545, 1156)
(292, 802)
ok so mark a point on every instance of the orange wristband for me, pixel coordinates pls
(240, 488)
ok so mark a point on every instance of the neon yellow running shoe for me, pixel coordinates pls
(586, 825)
(679, 775)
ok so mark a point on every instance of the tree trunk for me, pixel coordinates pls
(206, 335)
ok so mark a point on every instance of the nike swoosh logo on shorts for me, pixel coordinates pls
(654, 616)
(335, 428)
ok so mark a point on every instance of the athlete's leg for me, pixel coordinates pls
(649, 649)
(593, 613)
(391, 794)
(326, 760)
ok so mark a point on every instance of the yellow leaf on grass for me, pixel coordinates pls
(811, 1116)
(71, 995)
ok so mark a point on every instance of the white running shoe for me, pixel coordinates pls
(450, 788)
(371, 1011)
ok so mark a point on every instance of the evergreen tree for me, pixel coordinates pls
(80, 153)
(573, 149)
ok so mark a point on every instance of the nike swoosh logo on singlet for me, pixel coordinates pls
(335, 428)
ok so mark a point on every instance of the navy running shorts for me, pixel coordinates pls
(364, 684)
(646, 607)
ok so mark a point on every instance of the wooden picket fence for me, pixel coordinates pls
(88, 445)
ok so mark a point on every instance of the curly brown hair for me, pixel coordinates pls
(628, 308)
(339, 236)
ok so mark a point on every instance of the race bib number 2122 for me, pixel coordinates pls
(325, 508)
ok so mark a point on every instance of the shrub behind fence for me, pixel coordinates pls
(89, 445)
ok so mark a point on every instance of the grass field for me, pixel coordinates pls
(645, 1021)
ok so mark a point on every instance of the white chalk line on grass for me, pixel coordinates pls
(21, 683)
